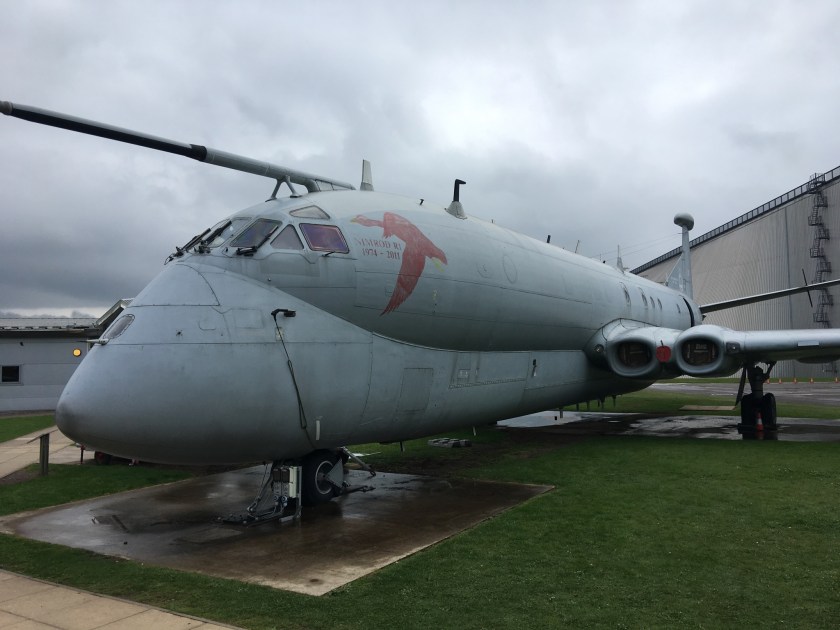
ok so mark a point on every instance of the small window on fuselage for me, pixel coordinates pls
(324, 238)
(310, 212)
(287, 239)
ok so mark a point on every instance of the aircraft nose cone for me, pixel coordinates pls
(77, 417)
(66, 417)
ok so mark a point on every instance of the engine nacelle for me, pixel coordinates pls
(709, 350)
(643, 353)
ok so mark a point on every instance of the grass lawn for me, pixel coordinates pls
(639, 532)
(13, 427)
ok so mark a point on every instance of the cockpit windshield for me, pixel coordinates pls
(224, 230)
(255, 234)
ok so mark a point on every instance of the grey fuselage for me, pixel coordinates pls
(427, 322)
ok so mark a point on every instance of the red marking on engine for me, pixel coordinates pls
(663, 354)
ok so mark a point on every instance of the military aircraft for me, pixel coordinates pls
(337, 316)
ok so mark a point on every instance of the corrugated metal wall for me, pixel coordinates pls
(766, 254)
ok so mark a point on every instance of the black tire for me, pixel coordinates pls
(315, 488)
(768, 411)
(747, 411)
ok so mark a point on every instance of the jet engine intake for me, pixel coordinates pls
(643, 352)
(708, 350)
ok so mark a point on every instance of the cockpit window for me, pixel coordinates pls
(324, 238)
(117, 328)
(287, 239)
(255, 234)
(309, 212)
(224, 230)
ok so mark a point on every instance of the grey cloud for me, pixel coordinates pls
(602, 120)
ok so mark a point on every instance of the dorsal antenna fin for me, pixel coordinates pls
(367, 178)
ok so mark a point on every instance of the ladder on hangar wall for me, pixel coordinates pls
(822, 265)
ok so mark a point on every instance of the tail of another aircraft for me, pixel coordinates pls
(680, 276)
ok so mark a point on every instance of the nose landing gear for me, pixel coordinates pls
(316, 479)
(323, 477)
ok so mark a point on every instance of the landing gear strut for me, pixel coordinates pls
(758, 410)
(286, 487)
(279, 498)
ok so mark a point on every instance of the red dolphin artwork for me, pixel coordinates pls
(417, 249)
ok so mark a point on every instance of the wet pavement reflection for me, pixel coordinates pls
(696, 426)
(177, 526)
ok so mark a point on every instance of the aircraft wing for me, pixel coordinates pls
(648, 352)
(709, 350)
(761, 297)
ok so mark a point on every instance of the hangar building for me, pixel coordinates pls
(767, 249)
(38, 356)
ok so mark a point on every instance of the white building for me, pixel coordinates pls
(778, 245)
(38, 356)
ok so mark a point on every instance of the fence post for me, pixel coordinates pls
(45, 454)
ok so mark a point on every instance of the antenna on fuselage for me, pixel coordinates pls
(680, 276)
(455, 208)
(367, 178)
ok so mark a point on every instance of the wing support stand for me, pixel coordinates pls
(279, 497)
(758, 410)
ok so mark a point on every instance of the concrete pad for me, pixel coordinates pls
(580, 423)
(177, 526)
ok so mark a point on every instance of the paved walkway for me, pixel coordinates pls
(33, 604)
(20, 452)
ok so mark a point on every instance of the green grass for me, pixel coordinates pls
(13, 427)
(639, 532)
(67, 483)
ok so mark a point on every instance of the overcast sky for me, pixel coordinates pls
(590, 121)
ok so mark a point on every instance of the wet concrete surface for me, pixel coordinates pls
(697, 426)
(177, 526)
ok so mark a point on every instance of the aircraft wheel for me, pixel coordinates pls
(102, 459)
(747, 411)
(768, 411)
(316, 487)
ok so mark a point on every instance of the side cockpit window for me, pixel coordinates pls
(287, 239)
(324, 238)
